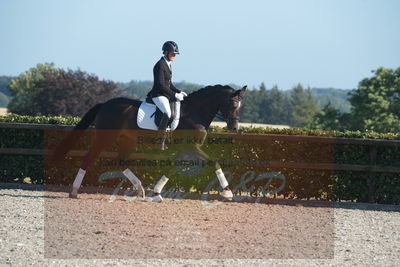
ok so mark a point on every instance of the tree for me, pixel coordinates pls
(376, 102)
(250, 108)
(4, 92)
(329, 118)
(263, 88)
(24, 87)
(4, 82)
(3, 100)
(337, 98)
(280, 108)
(263, 101)
(303, 106)
(46, 90)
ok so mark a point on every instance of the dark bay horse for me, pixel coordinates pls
(197, 112)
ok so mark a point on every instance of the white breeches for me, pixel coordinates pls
(162, 103)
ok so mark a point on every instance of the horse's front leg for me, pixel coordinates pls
(226, 192)
(158, 188)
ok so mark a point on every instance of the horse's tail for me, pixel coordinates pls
(88, 118)
(71, 138)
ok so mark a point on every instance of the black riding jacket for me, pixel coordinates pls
(162, 81)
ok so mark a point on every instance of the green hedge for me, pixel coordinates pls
(15, 118)
(299, 183)
(58, 120)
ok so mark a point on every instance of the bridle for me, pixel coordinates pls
(228, 118)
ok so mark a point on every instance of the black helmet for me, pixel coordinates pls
(170, 46)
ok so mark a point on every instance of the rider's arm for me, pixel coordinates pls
(173, 88)
(159, 80)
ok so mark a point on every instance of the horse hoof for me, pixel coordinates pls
(227, 194)
(141, 192)
(72, 195)
(157, 199)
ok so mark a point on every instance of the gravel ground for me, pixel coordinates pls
(42, 228)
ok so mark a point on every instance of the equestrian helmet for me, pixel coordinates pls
(171, 47)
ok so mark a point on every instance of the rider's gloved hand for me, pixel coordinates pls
(184, 94)
(179, 96)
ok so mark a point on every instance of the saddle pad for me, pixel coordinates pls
(145, 120)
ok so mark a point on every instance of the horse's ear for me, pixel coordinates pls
(241, 92)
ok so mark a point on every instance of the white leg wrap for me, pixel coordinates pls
(221, 178)
(175, 121)
(78, 179)
(132, 177)
(160, 184)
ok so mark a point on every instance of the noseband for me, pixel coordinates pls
(228, 118)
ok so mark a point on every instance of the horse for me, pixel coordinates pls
(197, 111)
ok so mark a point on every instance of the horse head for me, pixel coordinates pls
(218, 101)
(230, 103)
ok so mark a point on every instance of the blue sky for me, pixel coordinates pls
(319, 43)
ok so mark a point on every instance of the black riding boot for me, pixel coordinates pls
(162, 133)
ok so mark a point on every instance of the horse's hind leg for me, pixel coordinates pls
(102, 140)
(135, 181)
(126, 145)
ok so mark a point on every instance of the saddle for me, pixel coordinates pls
(149, 116)
(157, 115)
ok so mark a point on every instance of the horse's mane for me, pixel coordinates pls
(207, 91)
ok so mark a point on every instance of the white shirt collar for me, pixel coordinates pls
(168, 62)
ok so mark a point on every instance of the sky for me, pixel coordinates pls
(318, 43)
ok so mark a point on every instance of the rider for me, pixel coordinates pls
(163, 91)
